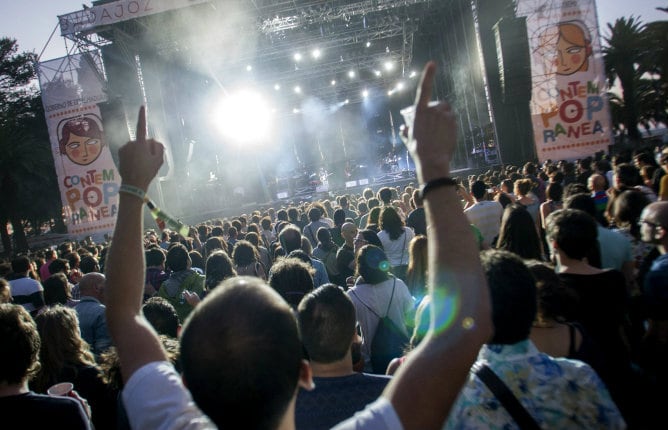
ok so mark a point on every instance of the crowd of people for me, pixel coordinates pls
(523, 297)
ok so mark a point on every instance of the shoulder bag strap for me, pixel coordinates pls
(394, 284)
(523, 419)
(365, 305)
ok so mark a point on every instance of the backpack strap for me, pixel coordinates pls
(365, 305)
(503, 394)
(394, 284)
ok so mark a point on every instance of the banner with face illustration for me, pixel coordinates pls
(89, 181)
(570, 113)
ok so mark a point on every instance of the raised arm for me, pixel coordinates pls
(426, 386)
(135, 339)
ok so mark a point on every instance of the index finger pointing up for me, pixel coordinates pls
(141, 125)
(423, 94)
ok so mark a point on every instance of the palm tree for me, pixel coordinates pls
(622, 54)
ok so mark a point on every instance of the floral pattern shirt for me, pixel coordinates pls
(557, 392)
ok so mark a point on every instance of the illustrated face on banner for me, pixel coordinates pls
(81, 139)
(573, 48)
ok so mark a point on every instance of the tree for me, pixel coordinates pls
(624, 51)
(28, 185)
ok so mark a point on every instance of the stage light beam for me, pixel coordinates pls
(297, 56)
(351, 74)
(243, 117)
(316, 53)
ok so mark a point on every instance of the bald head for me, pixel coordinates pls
(654, 224)
(596, 182)
(348, 232)
(92, 285)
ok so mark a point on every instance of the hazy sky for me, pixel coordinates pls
(32, 21)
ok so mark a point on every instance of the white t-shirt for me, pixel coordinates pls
(396, 250)
(156, 399)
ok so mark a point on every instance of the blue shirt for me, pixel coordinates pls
(93, 324)
(557, 392)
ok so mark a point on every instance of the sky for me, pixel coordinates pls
(32, 21)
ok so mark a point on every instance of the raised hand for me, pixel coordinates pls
(433, 136)
(140, 159)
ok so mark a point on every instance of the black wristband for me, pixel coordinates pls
(436, 183)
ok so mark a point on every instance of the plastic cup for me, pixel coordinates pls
(409, 112)
(63, 389)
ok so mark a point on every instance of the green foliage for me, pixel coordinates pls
(636, 54)
(28, 183)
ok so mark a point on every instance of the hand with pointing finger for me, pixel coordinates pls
(433, 136)
(140, 159)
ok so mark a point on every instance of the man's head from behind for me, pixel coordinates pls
(513, 293)
(162, 316)
(178, 258)
(241, 352)
(19, 342)
(327, 323)
(290, 238)
(478, 189)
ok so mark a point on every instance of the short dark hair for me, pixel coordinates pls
(327, 323)
(162, 316)
(292, 278)
(56, 289)
(178, 258)
(89, 264)
(154, 257)
(513, 293)
(339, 216)
(21, 264)
(58, 265)
(574, 231)
(19, 342)
(385, 195)
(478, 189)
(249, 328)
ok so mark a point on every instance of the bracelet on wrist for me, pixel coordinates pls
(436, 183)
(133, 191)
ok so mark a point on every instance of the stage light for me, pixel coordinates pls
(346, 101)
(316, 53)
(243, 117)
(388, 65)
(297, 56)
(368, 44)
(413, 74)
(365, 93)
(277, 87)
(333, 82)
(298, 89)
(400, 86)
(249, 68)
(377, 73)
(295, 110)
(389, 93)
(351, 74)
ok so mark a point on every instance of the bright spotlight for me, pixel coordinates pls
(243, 117)
(277, 87)
(365, 93)
(388, 65)
(368, 44)
(333, 82)
(297, 56)
(389, 93)
(316, 53)
(400, 86)
(413, 74)
(351, 74)
(377, 73)
(298, 89)
(249, 68)
(346, 101)
(295, 110)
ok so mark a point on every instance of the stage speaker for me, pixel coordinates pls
(512, 53)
